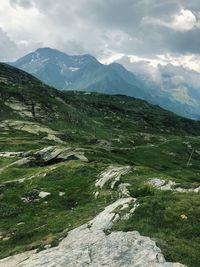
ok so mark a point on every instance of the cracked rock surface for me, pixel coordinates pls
(89, 245)
(112, 174)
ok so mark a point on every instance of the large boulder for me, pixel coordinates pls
(51, 155)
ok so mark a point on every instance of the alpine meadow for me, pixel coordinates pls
(99, 133)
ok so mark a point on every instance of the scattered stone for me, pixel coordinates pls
(96, 194)
(20, 223)
(189, 146)
(61, 194)
(43, 194)
(184, 217)
(25, 199)
(170, 185)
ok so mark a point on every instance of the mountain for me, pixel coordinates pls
(86, 73)
(80, 73)
(94, 179)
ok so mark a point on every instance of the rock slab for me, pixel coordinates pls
(89, 245)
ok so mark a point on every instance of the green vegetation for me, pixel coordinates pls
(110, 130)
(172, 220)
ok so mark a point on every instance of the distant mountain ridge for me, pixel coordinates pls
(86, 73)
(82, 72)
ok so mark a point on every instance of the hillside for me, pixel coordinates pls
(81, 169)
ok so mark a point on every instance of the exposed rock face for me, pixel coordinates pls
(88, 245)
(123, 190)
(162, 184)
(11, 154)
(22, 108)
(51, 155)
(47, 156)
(112, 174)
(22, 162)
(27, 126)
(170, 185)
(33, 128)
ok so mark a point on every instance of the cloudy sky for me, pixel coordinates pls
(133, 32)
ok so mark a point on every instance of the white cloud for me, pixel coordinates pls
(185, 20)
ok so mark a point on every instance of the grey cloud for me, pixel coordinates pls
(184, 42)
(99, 26)
(72, 47)
(23, 3)
(11, 50)
(168, 77)
(179, 75)
(7, 46)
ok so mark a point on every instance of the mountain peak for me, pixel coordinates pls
(85, 72)
(48, 51)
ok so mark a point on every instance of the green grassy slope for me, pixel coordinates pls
(111, 130)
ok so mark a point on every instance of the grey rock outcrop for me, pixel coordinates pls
(170, 185)
(51, 155)
(47, 156)
(11, 154)
(89, 245)
(33, 128)
(112, 174)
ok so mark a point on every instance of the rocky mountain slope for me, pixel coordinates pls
(79, 73)
(86, 73)
(116, 172)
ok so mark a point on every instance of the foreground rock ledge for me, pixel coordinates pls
(88, 245)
